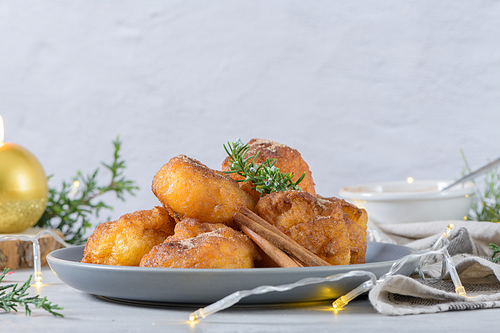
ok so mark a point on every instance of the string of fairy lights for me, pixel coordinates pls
(440, 248)
(37, 262)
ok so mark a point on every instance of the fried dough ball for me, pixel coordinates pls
(188, 188)
(123, 242)
(325, 237)
(355, 220)
(203, 245)
(287, 160)
(319, 224)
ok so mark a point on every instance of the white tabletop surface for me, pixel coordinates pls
(88, 313)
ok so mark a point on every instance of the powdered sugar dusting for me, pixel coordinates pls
(269, 144)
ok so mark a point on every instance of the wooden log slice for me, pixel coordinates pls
(16, 254)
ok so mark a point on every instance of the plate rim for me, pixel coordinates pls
(257, 270)
(220, 282)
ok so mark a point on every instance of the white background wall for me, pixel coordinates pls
(365, 90)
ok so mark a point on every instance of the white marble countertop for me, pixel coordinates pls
(88, 313)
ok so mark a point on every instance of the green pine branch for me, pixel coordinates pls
(19, 297)
(71, 211)
(496, 250)
(486, 206)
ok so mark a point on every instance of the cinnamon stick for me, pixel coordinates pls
(278, 256)
(297, 261)
(272, 234)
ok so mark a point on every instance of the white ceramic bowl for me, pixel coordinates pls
(403, 202)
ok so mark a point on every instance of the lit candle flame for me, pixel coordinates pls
(2, 131)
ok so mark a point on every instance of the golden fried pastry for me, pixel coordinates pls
(203, 245)
(123, 242)
(325, 237)
(188, 188)
(319, 224)
(287, 160)
(355, 220)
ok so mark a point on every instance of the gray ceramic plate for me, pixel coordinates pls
(204, 286)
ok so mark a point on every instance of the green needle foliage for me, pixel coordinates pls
(486, 206)
(18, 296)
(496, 250)
(266, 178)
(70, 211)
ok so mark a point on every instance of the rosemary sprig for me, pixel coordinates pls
(496, 250)
(71, 208)
(266, 178)
(18, 296)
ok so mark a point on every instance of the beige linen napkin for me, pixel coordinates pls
(422, 235)
(401, 295)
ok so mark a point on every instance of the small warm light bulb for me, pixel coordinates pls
(461, 291)
(192, 324)
(74, 190)
(409, 180)
(38, 271)
(339, 303)
(193, 318)
(38, 280)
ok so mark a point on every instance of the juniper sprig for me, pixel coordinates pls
(70, 211)
(18, 296)
(496, 250)
(486, 205)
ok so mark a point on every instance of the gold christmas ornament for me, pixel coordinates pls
(23, 187)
